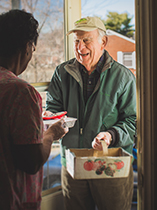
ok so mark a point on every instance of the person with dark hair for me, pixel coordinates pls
(24, 145)
(101, 94)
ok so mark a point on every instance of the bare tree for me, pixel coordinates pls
(5, 5)
(48, 54)
(50, 48)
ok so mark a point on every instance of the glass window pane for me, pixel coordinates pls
(49, 53)
(50, 47)
(5, 5)
(52, 168)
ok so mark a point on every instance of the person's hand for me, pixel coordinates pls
(58, 129)
(46, 114)
(105, 136)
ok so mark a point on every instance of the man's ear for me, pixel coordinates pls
(104, 41)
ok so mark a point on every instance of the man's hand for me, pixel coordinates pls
(105, 136)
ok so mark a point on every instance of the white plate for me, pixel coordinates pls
(70, 121)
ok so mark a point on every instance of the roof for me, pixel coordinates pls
(110, 32)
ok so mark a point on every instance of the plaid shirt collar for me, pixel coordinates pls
(90, 81)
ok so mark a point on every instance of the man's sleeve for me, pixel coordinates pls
(54, 94)
(125, 125)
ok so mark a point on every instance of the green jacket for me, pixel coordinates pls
(111, 105)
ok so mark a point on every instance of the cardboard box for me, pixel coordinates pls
(92, 164)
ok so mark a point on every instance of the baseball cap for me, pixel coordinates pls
(88, 24)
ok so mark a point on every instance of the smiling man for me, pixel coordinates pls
(88, 48)
(101, 94)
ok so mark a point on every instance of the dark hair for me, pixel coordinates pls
(17, 28)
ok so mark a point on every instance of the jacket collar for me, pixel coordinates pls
(74, 67)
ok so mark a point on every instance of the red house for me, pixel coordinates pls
(122, 49)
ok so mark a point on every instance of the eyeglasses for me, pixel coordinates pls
(33, 46)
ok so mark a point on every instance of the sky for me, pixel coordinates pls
(101, 7)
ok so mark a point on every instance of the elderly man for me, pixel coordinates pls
(101, 94)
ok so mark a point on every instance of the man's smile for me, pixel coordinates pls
(84, 54)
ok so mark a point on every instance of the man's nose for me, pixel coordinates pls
(81, 45)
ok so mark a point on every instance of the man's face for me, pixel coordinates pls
(88, 48)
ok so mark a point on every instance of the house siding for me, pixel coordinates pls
(116, 44)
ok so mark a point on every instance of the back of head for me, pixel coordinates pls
(17, 28)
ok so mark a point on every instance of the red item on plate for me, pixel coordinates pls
(57, 115)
